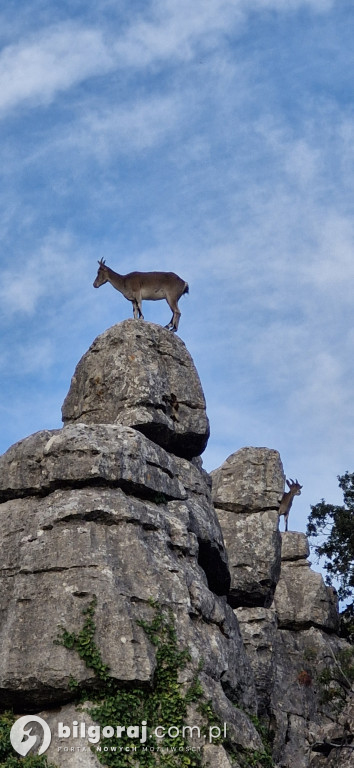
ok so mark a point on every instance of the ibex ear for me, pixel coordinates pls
(288, 484)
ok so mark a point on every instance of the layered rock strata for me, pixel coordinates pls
(246, 492)
(302, 599)
(288, 617)
(99, 509)
(116, 505)
(289, 645)
(141, 377)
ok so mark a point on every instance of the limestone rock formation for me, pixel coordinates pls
(99, 509)
(246, 492)
(142, 376)
(104, 454)
(287, 616)
(289, 645)
(302, 599)
(259, 629)
(299, 714)
(102, 510)
(116, 505)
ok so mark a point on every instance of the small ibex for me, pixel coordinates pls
(287, 499)
(137, 286)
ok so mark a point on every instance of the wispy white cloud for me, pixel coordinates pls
(174, 30)
(36, 358)
(182, 29)
(132, 127)
(54, 59)
(49, 62)
(19, 292)
(189, 146)
(51, 272)
(331, 268)
(320, 6)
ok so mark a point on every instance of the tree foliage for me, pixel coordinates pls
(333, 526)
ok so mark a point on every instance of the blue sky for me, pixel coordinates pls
(214, 139)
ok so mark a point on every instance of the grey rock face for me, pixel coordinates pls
(104, 454)
(339, 734)
(285, 633)
(340, 757)
(70, 752)
(298, 714)
(258, 629)
(87, 537)
(140, 375)
(74, 752)
(294, 546)
(250, 480)
(100, 509)
(214, 755)
(246, 491)
(287, 666)
(288, 646)
(253, 547)
(301, 598)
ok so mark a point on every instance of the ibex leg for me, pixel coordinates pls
(137, 310)
(174, 322)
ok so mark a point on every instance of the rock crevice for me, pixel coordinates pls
(116, 506)
(144, 379)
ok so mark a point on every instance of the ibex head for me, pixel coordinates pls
(294, 486)
(102, 276)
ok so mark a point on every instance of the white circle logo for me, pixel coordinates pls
(22, 740)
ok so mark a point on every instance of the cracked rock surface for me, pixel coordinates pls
(116, 506)
(140, 375)
(101, 509)
(289, 645)
(287, 616)
(302, 599)
(246, 492)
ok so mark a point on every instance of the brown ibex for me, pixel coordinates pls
(287, 499)
(137, 286)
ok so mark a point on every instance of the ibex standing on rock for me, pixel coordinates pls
(137, 286)
(287, 500)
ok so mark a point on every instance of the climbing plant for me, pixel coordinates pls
(165, 703)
